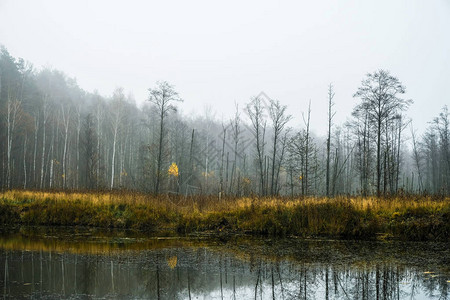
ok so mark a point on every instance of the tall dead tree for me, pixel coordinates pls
(306, 120)
(330, 119)
(221, 188)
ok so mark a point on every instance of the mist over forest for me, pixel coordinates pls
(56, 135)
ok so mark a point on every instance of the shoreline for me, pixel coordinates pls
(416, 219)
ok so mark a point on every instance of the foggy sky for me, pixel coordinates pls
(216, 53)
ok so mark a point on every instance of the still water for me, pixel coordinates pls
(49, 263)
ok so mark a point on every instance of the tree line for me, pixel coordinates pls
(55, 135)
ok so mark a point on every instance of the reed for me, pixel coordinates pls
(412, 218)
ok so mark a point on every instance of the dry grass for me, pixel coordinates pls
(415, 217)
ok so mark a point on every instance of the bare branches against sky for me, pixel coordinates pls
(219, 53)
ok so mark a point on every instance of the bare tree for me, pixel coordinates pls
(379, 95)
(221, 188)
(301, 150)
(307, 151)
(330, 119)
(163, 97)
(279, 118)
(255, 111)
(236, 133)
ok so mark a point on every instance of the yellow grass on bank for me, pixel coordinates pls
(415, 217)
(212, 204)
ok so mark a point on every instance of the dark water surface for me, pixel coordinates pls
(50, 263)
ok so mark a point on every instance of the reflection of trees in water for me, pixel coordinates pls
(200, 272)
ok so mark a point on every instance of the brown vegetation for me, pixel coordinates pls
(412, 218)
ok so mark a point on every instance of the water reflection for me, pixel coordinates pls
(51, 266)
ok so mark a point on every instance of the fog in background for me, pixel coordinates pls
(216, 53)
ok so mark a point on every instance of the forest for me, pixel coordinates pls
(56, 136)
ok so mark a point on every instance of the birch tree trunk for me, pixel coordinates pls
(66, 122)
(25, 163)
(77, 176)
(330, 118)
(44, 124)
(36, 126)
(12, 117)
(113, 157)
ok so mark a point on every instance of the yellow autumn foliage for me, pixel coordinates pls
(173, 170)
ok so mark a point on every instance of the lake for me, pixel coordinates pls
(69, 263)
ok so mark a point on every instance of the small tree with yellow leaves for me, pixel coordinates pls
(173, 172)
